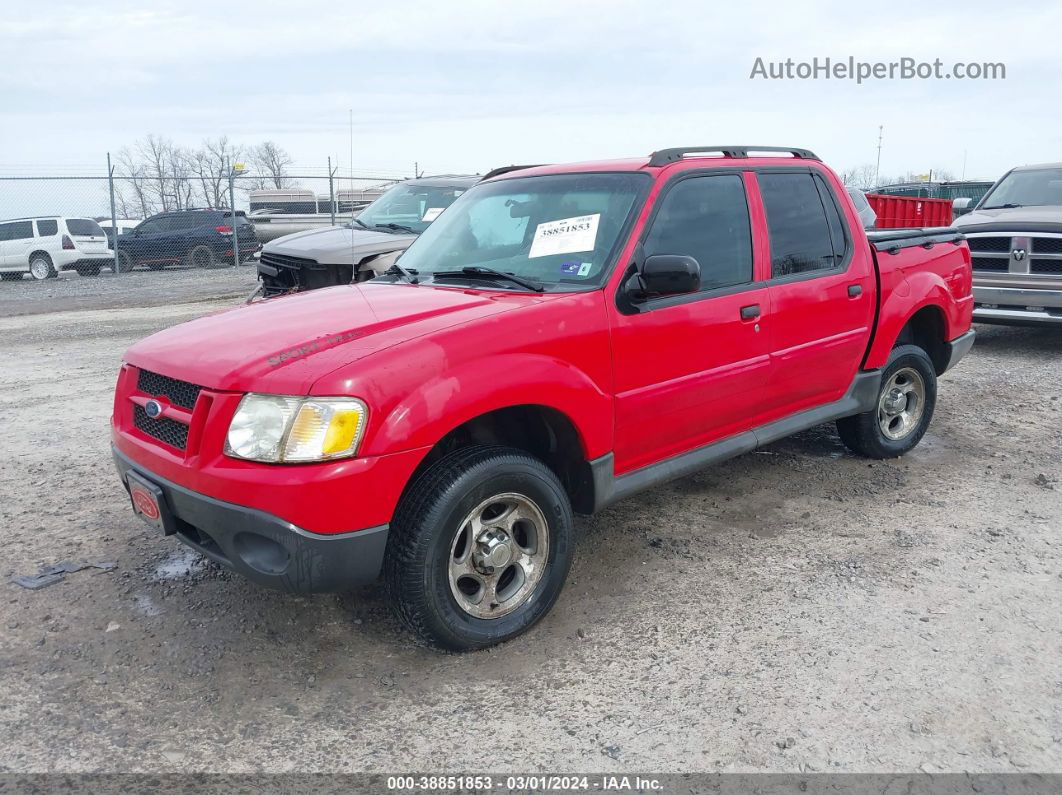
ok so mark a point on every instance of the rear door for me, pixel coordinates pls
(821, 291)
(690, 369)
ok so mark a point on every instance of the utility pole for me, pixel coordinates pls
(114, 217)
(237, 168)
(963, 164)
(877, 167)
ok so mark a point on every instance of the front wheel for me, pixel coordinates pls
(904, 409)
(201, 257)
(480, 548)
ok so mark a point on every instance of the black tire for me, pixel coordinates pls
(200, 257)
(125, 262)
(428, 523)
(12, 277)
(41, 267)
(865, 434)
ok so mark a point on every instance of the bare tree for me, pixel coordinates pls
(271, 162)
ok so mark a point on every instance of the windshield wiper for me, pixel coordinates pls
(1007, 206)
(360, 223)
(397, 228)
(490, 273)
(397, 270)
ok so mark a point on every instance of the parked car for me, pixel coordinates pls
(44, 246)
(193, 238)
(125, 227)
(363, 248)
(1015, 236)
(559, 339)
(867, 216)
(279, 212)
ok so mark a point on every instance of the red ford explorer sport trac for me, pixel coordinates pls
(559, 339)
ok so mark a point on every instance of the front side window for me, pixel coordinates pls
(407, 208)
(706, 218)
(1030, 188)
(558, 230)
(47, 228)
(20, 230)
(801, 231)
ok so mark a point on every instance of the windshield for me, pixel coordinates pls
(556, 230)
(1024, 188)
(411, 206)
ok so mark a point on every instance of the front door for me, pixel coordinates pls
(689, 370)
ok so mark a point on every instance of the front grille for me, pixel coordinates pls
(1040, 265)
(990, 263)
(284, 261)
(1047, 245)
(167, 431)
(179, 393)
(996, 244)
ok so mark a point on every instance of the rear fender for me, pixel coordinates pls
(912, 293)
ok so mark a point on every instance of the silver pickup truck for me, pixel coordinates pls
(1015, 237)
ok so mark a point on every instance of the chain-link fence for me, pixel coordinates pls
(139, 219)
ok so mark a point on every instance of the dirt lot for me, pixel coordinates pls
(795, 609)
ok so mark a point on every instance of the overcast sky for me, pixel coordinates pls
(466, 85)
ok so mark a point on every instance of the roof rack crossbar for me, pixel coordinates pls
(494, 172)
(662, 157)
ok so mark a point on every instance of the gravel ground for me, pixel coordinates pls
(796, 609)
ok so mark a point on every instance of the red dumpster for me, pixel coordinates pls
(897, 212)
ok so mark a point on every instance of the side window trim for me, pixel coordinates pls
(665, 302)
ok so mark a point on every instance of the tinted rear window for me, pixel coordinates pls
(84, 227)
(802, 233)
(47, 228)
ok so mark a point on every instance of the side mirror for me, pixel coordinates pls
(665, 274)
(961, 206)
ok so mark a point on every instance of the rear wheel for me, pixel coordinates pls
(200, 257)
(904, 408)
(480, 548)
(41, 268)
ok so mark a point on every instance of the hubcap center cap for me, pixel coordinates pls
(895, 402)
(493, 551)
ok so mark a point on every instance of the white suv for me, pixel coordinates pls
(44, 246)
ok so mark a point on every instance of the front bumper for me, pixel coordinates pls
(263, 547)
(1017, 306)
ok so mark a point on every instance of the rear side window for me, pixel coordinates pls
(706, 218)
(84, 227)
(47, 228)
(804, 225)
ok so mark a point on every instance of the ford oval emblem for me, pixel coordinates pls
(153, 408)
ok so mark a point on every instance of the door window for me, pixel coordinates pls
(706, 218)
(20, 230)
(805, 228)
(47, 228)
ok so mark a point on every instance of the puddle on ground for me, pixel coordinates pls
(180, 563)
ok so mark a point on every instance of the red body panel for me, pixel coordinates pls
(425, 359)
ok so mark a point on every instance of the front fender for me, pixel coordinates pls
(424, 416)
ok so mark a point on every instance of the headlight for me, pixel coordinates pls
(289, 429)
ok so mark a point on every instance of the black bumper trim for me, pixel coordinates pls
(959, 347)
(265, 548)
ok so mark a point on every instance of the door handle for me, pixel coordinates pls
(750, 312)
(854, 291)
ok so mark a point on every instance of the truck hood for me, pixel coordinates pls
(283, 345)
(1016, 218)
(338, 245)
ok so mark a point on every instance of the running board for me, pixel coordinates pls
(862, 396)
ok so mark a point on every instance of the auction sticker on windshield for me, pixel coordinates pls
(432, 213)
(565, 236)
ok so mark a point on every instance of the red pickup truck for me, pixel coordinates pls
(560, 338)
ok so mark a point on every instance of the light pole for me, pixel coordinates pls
(236, 170)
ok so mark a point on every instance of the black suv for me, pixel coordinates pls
(195, 238)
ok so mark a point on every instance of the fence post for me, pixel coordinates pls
(331, 191)
(114, 217)
(232, 206)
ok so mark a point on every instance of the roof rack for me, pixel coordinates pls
(662, 157)
(494, 172)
